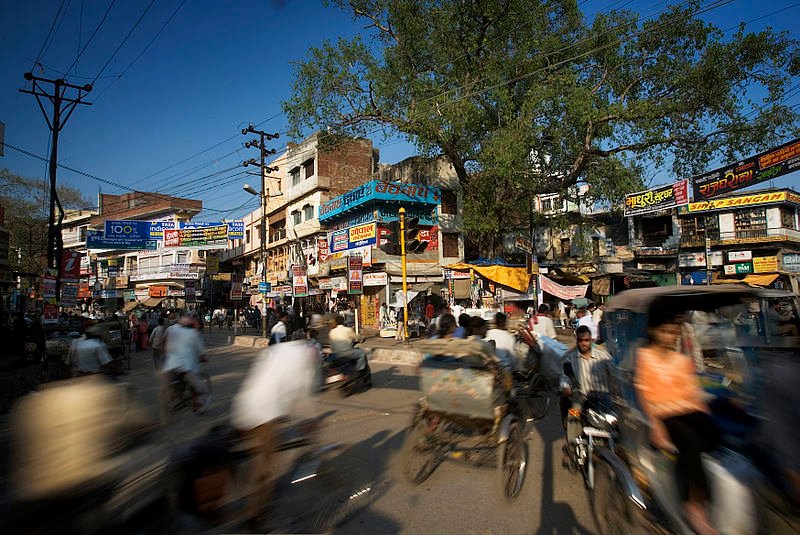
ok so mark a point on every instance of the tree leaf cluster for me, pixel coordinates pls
(531, 97)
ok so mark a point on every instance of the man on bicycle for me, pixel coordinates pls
(184, 349)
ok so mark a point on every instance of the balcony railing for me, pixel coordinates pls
(744, 236)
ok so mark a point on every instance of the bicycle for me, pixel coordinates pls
(180, 395)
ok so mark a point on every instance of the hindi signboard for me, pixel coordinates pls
(197, 238)
(765, 264)
(235, 228)
(190, 291)
(299, 281)
(236, 286)
(661, 198)
(748, 172)
(96, 239)
(355, 275)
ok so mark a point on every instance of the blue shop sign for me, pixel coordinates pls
(694, 278)
(95, 239)
(128, 230)
(377, 190)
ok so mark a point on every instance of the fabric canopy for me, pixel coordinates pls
(563, 292)
(152, 301)
(130, 305)
(752, 280)
(512, 277)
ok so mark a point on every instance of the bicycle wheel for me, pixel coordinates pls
(513, 462)
(421, 455)
(538, 396)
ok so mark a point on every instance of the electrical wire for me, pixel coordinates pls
(127, 36)
(91, 37)
(47, 37)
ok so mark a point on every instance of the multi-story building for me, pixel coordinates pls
(6, 278)
(118, 276)
(309, 174)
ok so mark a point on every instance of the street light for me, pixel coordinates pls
(263, 196)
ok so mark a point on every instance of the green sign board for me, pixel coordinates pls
(741, 268)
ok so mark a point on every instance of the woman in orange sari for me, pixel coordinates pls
(671, 397)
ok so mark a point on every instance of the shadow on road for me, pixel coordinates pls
(393, 377)
(368, 462)
(555, 517)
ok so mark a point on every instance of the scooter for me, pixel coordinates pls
(340, 373)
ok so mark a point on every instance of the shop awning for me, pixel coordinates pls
(516, 278)
(752, 280)
(130, 305)
(152, 301)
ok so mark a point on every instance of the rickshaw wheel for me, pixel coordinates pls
(421, 455)
(513, 462)
(610, 509)
(538, 396)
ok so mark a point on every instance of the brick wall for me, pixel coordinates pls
(348, 165)
(138, 205)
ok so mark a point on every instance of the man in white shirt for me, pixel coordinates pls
(184, 348)
(283, 382)
(584, 318)
(343, 340)
(562, 314)
(89, 354)
(457, 310)
(597, 315)
(278, 332)
(503, 341)
(541, 324)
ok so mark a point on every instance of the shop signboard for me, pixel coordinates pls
(791, 261)
(50, 313)
(740, 256)
(48, 287)
(376, 279)
(378, 190)
(190, 292)
(183, 271)
(299, 281)
(235, 228)
(70, 266)
(694, 278)
(692, 259)
(355, 282)
(323, 250)
(361, 235)
(655, 199)
(748, 172)
(157, 228)
(215, 237)
(739, 269)
(729, 203)
(236, 286)
(765, 264)
(212, 264)
(157, 291)
(69, 295)
(339, 240)
(716, 258)
(523, 243)
(96, 239)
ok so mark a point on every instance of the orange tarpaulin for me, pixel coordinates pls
(753, 280)
(516, 278)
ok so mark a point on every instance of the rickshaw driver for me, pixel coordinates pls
(592, 370)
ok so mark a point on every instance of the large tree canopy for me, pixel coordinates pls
(528, 97)
(25, 203)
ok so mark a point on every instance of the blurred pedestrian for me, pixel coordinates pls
(89, 354)
(157, 340)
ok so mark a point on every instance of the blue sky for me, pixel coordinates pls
(216, 66)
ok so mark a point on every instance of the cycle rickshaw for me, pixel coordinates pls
(468, 413)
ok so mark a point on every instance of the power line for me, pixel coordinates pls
(144, 50)
(127, 36)
(47, 37)
(91, 37)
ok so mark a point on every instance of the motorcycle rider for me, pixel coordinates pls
(343, 340)
(590, 368)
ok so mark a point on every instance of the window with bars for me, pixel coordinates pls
(294, 175)
(308, 212)
(296, 217)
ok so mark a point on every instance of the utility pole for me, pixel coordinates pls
(264, 198)
(402, 215)
(62, 110)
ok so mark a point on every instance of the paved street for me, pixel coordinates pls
(456, 499)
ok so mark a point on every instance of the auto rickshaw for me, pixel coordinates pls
(729, 332)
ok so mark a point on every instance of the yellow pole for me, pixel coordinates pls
(405, 282)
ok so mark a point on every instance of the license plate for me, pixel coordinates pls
(334, 378)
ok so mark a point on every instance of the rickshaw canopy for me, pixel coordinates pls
(640, 300)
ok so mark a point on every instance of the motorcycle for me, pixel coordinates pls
(340, 373)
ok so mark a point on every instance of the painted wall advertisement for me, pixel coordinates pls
(355, 275)
(197, 238)
(656, 199)
(753, 170)
(299, 281)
